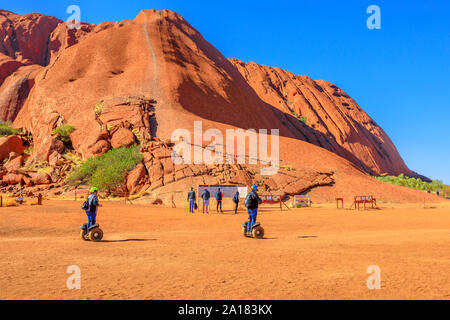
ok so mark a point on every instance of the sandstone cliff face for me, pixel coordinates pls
(29, 43)
(158, 56)
(62, 38)
(7, 67)
(25, 37)
(331, 112)
(15, 89)
(139, 80)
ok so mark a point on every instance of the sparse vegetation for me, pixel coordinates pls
(6, 129)
(415, 183)
(29, 150)
(99, 108)
(301, 118)
(76, 159)
(63, 133)
(137, 135)
(107, 171)
(446, 192)
(40, 167)
(290, 102)
(287, 168)
(9, 202)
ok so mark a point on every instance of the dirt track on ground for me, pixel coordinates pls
(160, 253)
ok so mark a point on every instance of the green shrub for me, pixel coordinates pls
(107, 171)
(63, 133)
(303, 119)
(7, 130)
(414, 183)
(300, 118)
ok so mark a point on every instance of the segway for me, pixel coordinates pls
(94, 233)
(257, 231)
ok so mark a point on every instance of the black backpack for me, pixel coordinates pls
(86, 205)
(250, 201)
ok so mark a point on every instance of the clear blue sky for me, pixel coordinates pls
(400, 75)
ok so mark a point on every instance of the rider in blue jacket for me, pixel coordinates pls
(93, 205)
(252, 203)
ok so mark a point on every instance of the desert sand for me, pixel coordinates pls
(160, 253)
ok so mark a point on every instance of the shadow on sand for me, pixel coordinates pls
(307, 237)
(128, 240)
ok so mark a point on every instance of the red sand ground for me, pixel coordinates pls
(160, 253)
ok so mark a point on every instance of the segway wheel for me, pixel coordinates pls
(83, 235)
(96, 235)
(244, 231)
(258, 233)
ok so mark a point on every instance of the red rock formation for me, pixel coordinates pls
(144, 78)
(12, 178)
(136, 178)
(63, 38)
(15, 89)
(330, 112)
(7, 67)
(123, 138)
(163, 67)
(40, 178)
(201, 85)
(25, 37)
(8, 145)
(34, 40)
(15, 162)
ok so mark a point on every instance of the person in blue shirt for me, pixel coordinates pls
(192, 197)
(93, 205)
(252, 203)
(206, 196)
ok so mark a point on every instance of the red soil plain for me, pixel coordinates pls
(135, 82)
(161, 253)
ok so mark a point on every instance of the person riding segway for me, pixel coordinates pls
(91, 230)
(252, 228)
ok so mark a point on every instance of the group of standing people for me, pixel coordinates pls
(206, 198)
(252, 203)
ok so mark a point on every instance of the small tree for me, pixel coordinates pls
(107, 172)
(63, 133)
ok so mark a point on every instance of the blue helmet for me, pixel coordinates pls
(254, 187)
